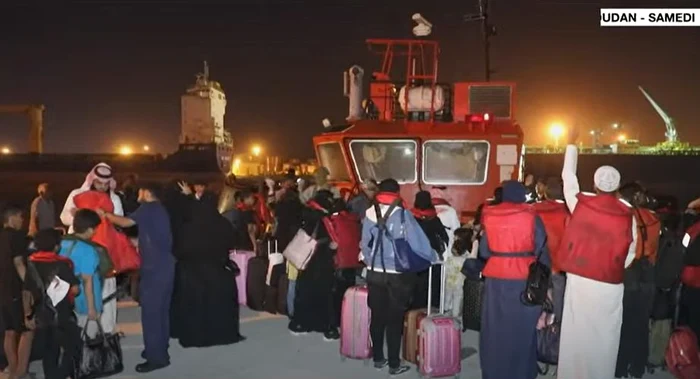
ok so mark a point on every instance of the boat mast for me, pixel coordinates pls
(488, 31)
(671, 133)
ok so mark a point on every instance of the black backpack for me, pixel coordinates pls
(44, 312)
(669, 260)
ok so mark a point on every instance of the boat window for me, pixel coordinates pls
(383, 159)
(330, 155)
(455, 162)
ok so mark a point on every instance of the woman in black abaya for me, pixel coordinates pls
(426, 215)
(205, 309)
(314, 309)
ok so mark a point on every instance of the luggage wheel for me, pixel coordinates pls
(365, 362)
(342, 358)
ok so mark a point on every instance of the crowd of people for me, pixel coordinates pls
(606, 257)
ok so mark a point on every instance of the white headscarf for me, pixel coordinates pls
(103, 172)
(607, 178)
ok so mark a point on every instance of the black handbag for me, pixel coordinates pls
(101, 356)
(537, 285)
(548, 346)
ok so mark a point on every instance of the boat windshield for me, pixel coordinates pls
(330, 155)
(383, 159)
(455, 162)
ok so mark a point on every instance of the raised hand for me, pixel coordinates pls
(185, 188)
(573, 134)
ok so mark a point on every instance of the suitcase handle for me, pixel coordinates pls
(269, 247)
(443, 274)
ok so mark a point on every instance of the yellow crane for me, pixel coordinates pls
(35, 113)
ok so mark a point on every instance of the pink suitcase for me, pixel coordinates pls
(241, 259)
(439, 340)
(354, 325)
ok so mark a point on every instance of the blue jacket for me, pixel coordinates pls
(412, 232)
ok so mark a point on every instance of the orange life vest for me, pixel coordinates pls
(597, 239)
(554, 215)
(690, 275)
(510, 233)
(648, 233)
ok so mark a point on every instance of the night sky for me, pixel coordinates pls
(112, 72)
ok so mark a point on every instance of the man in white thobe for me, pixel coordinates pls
(100, 179)
(592, 319)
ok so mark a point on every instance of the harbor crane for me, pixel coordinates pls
(35, 113)
(671, 133)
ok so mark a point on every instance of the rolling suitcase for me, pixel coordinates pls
(275, 270)
(355, 341)
(439, 340)
(255, 282)
(241, 259)
(411, 324)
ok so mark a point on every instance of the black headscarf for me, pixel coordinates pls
(423, 201)
(311, 218)
(206, 237)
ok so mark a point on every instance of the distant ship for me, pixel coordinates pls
(205, 145)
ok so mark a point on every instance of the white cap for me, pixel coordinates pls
(607, 178)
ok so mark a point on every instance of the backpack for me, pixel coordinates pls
(669, 260)
(682, 358)
(44, 313)
(106, 267)
(405, 260)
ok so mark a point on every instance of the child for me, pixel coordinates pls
(461, 249)
(15, 299)
(86, 265)
(58, 286)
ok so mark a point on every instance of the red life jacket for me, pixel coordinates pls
(597, 239)
(690, 275)
(124, 255)
(510, 231)
(554, 215)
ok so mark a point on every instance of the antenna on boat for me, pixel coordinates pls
(488, 31)
(206, 71)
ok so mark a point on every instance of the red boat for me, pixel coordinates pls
(423, 133)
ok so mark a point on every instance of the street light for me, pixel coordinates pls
(256, 150)
(6, 150)
(621, 138)
(616, 126)
(125, 150)
(146, 148)
(556, 131)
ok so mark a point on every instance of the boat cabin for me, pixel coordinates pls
(462, 137)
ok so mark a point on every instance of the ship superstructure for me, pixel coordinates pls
(203, 108)
(461, 137)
